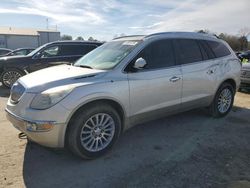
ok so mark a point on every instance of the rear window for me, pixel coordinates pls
(218, 48)
(2, 52)
(76, 49)
(187, 51)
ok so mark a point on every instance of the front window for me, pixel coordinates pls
(36, 50)
(108, 55)
(50, 52)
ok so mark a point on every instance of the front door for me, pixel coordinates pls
(156, 89)
(49, 56)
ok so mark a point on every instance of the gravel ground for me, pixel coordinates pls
(186, 150)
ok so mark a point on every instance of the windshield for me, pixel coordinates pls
(108, 55)
(36, 50)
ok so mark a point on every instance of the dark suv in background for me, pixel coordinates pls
(51, 54)
(4, 51)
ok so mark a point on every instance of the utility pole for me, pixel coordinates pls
(47, 23)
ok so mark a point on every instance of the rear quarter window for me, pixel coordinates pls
(219, 49)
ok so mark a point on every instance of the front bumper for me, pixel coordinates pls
(53, 137)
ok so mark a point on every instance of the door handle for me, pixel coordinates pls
(174, 79)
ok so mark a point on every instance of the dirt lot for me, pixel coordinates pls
(186, 150)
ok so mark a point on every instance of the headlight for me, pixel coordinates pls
(50, 97)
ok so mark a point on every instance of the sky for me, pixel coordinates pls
(104, 19)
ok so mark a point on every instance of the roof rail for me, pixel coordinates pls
(154, 34)
(128, 36)
(182, 32)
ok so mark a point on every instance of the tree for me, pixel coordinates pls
(205, 31)
(243, 43)
(79, 38)
(232, 40)
(91, 39)
(244, 33)
(66, 37)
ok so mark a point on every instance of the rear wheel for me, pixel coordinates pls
(93, 131)
(223, 101)
(10, 76)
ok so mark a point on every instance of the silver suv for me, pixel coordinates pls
(130, 80)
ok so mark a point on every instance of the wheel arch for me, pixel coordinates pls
(231, 82)
(113, 103)
(12, 68)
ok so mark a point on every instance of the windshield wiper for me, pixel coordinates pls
(84, 66)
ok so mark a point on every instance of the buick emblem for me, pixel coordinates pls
(243, 73)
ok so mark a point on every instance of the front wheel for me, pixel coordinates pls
(93, 131)
(223, 101)
(10, 76)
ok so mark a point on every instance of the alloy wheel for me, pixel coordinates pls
(97, 132)
(225, 100)
(10, 77)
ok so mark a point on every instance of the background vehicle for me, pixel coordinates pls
(20, 51)
(4, 51)
(238, 54)
(51, 54)
(245, 76)
(124, 82)
(244, 55)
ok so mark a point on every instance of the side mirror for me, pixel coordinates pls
(140, 63)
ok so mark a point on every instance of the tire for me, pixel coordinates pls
(82, 138)
(10, 76)
(223, 101)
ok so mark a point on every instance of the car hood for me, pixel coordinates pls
(56, 76)
(246, 66)
(13, 58)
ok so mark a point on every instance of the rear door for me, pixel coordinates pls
(198, 80)
(156, 89)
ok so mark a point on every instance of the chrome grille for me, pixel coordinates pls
(245, 73)
(16, 93)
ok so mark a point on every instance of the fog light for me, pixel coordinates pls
(31, 127)
(36, 127)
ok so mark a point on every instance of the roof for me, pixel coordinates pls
(23, 49)
(183, 34)
(22, 31)
(169, 34)
(74, 42)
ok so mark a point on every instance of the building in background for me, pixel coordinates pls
(13, 38)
